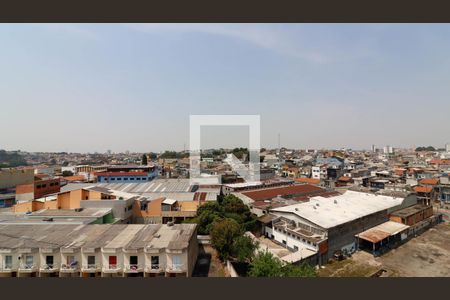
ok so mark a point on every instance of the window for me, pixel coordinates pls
(56, 183)
(112, 178)
(176, 262)
(91, 260)
(138, 178)
(284, 242)
(44, 185)
(155, 262)
(28, 261)
(295, 248)
(38, 186)
(71, 260)
(125, 178)
(143, 178)
(8, 261)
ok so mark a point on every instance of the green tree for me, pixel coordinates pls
(223, 234)
(144, 159)
(265, 265)
(244, 248)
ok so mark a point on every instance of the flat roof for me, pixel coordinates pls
(409, 211)
(272, 192)
(134, 236)
(85, 212)
(382, 231)
(336, 210)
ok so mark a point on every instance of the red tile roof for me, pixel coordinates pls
(423, 189)
(429, 181)
(300, 190)
(75, 178)
(440, 162)
(308, 180)
(344, 178)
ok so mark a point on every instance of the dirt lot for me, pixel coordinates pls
(427, 255)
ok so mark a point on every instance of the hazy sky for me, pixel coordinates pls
(82, 87)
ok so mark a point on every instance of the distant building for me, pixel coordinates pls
(388, 150)
(9, 179)
(126, 174)
(447, 148)
(42, 186)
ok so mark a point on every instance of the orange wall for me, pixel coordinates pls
(25, 188)
(23, 207)
(153, 209)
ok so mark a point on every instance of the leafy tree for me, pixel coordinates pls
(223, 234)
(144, 159)
(429, 148)
(244, 248)
(11, 159)
(265, 265)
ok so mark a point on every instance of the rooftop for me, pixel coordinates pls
(409, 211)
(96, 236)
(336, 210)
(298, 189)
(382, 231)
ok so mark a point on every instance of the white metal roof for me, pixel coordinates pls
(332, 211)
(390, 227)
(169, 201)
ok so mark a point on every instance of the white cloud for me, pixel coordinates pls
(264, 36)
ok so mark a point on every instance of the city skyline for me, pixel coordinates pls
(90, 88)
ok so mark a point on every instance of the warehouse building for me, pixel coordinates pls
(329, 224)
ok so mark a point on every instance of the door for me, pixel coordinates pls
(91, 261)
(49, 261)
(112, 261)
(133, 260)
(155, 262)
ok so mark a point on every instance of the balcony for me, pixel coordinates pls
(90, 268)
(49, 268)
(176, 268)
(69, 268)
(28, 268)
(8, 268)
(112, 268)
(154, 268)
(134, 268)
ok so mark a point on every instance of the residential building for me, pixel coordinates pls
(53, 250)
(40, 187)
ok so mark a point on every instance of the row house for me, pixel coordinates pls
(98, 250)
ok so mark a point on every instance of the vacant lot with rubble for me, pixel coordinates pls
(427, 255)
